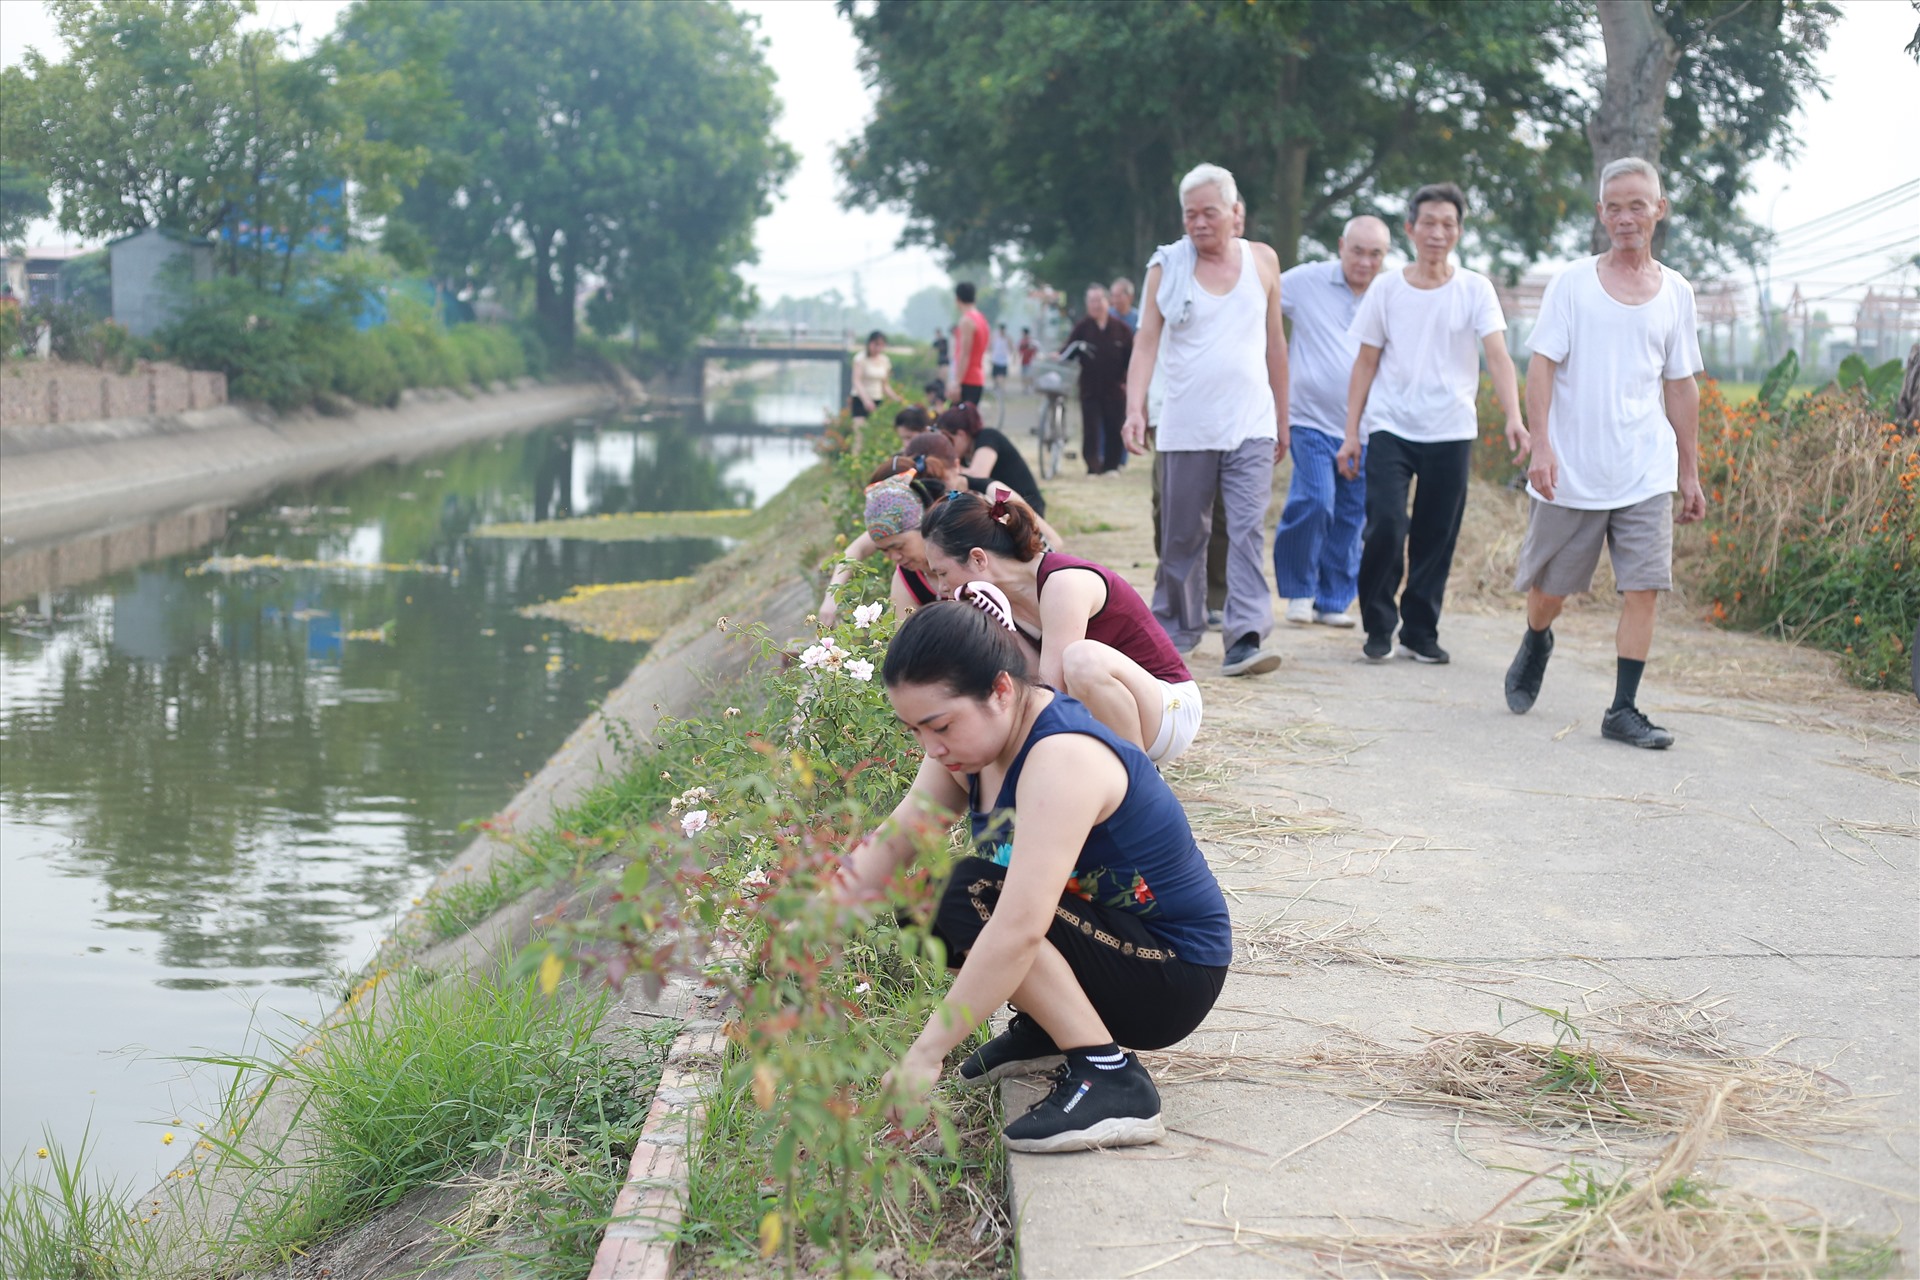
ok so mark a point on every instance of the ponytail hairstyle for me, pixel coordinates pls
(910, 464)
(962, 417)
(962, 521)
(956, 646)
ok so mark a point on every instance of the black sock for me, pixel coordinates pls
(1626, 682)
(1092, 1059)
(1537, 640)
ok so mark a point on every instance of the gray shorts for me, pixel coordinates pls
(1562, 548)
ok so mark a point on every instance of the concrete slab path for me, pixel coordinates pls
(1405, 858)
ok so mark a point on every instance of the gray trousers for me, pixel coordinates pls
(1243, 479)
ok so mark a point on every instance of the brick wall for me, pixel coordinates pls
(33, 392)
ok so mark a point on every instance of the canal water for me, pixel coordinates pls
(219, 788)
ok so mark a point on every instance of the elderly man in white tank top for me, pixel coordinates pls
(1216, 297)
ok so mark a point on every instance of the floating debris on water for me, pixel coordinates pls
(247, 564)
(629, 612)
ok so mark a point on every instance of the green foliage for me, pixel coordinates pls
(1778, 382)
(1880, 385)
(630, 141)
(1812, 523)
(167, 114)
(1333, 109)
(77, 333)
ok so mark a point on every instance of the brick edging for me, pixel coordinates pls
(644, 1225)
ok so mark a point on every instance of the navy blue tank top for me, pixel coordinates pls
(1142, 860)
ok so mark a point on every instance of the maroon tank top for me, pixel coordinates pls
(1124, 622)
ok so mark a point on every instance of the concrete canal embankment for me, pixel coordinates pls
(83, 499)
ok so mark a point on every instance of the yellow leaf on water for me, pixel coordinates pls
(550, 970)
(770, 1232)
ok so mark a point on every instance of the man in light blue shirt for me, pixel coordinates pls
(1316, 550)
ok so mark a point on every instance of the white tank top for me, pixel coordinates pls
(1217, 395)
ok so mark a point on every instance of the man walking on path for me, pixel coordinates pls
(970, 337)
(1411, 399)
(1103, 382)
(1216, 297)
(1614, 359)
(1316, 549)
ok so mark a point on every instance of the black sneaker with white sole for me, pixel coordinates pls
(1377, 649)
(1023, 1049)
(1245, 657)
(1092, 1105)
(1528, 668)
(1631, 726)
(1428, 651)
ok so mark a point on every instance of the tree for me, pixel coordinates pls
(1007, 135)
(630, 142)
(165, 114)
(1709, 85)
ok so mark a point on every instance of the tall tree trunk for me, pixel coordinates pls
(1289, 169)
(1641, 58)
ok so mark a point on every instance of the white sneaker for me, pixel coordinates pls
(1300, 612)
(1333, 619)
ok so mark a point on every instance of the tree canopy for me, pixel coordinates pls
(1056, 131)
(633, 142)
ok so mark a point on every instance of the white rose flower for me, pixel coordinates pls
(860, 669)
(694, 821)
(868, 614)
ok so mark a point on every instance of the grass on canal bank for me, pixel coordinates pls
(485, 1081)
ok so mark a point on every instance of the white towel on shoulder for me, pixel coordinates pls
(1176, 262)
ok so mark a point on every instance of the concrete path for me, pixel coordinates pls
(1406, 858)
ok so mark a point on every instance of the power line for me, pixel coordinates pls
(1902, 243)
(1890, 194)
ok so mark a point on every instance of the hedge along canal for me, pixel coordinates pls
(221, 779)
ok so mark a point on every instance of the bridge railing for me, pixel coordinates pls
(796, 335)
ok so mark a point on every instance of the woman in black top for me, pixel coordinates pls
(988, 454)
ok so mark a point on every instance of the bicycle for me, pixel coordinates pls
(1052, 378)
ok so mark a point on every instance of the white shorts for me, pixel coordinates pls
(1179, 721)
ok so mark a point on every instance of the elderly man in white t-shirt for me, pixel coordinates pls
(1412, 395)
(1615, 413)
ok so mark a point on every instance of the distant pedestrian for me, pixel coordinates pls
(1216, 297)
(1028, 350)
(872, 378)
(989, 455)
(999, 357)
(970, 339)
(942, 363)
(1615, 416)
(1316, 549)
(1121, 294)
(1103, 383)
(1411, 401)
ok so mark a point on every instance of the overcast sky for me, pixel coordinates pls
(1849, 151)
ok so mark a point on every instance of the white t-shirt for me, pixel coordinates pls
(1607, 422)
(1430, 354)
(870, 374)
(1322, 306)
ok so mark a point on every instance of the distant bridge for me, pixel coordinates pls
(794, 343)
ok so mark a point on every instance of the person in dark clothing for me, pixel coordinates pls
(1107, 347)
(987, 453)
(1085, 899)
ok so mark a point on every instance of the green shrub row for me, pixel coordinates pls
(289, 353)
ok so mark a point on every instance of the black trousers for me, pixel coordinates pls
(1420, 544)
(1148, 997)
(1101, 417)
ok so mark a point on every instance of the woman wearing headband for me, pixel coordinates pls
(1097, 640)
(1092, 910)
(894, 509)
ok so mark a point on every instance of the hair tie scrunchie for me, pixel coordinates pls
(998, 511)
(989, 600)
(893, 508)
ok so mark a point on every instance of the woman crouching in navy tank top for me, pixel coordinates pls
(1085, 902)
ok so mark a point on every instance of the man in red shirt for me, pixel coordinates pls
(970, 337)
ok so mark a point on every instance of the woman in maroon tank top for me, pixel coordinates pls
(1095, 638)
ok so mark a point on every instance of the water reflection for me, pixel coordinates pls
(225, 782)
